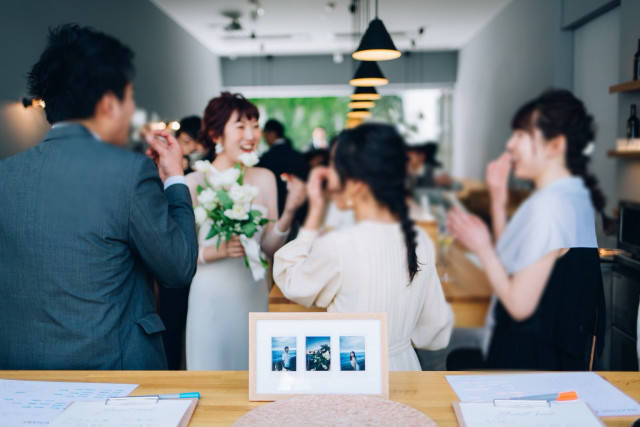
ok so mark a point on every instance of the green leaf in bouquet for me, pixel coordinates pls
(199, 188)
(212, 232)
(224, 198)
(255, 213)
(249, 229)
(240, 179)
(218, 242)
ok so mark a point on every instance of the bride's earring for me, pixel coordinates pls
(349, 202)
(219, 148)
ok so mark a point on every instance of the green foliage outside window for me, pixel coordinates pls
(301, 115)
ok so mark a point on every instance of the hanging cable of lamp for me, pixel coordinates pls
(376, 44)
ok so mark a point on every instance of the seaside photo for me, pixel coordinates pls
(283, 353)
(352, 353)
(318, 351)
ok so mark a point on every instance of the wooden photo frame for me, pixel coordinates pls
(344, 353)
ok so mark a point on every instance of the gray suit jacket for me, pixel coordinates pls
(84, 227)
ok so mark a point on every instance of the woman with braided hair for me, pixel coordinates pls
(383, 263)
(545, 268)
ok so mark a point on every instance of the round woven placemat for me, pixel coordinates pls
(334, 409)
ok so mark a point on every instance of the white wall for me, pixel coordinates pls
(628, 171)
(596, 57)
(520, 53)
(176, 74)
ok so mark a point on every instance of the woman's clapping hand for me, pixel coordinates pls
(469, 230)
(296, 192)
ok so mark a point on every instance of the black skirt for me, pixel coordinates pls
(559, 335)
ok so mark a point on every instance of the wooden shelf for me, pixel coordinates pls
(635, 155)
(625, 87)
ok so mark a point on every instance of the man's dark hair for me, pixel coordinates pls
(274, 126)
(190, 125)
(78, 66)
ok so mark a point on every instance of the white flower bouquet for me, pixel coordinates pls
(225, 201)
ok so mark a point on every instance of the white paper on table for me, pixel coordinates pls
(602, 397)
(37, 403)
(560, 414)
(163, 413)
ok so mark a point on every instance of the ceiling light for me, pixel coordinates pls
(362, 104)
(33, 102)
(359, 113)
(352, 122)
(365, 94)
(368, 74)
(376, 44)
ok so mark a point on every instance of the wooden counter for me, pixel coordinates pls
(469, 293)
(225, 393)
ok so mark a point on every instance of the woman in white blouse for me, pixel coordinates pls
(383, 263)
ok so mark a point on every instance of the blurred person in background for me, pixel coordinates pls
(545, 267)
(173, 302)
(187, 136)
(281, 158)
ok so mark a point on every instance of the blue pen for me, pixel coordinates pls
(191, 395)
(151, 398)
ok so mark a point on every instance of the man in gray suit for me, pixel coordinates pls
(86, 224)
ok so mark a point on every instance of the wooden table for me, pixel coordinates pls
(225, 393)
(469, 293)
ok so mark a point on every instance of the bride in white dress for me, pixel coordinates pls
(224, 291)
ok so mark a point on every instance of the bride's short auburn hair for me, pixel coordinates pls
(218, 112)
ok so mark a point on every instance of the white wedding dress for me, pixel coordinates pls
(222, 294)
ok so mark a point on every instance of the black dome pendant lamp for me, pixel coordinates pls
(362, 93)
(368, 74)
(376, 44)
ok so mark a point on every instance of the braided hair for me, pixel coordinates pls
(375, 154)
(559, 112)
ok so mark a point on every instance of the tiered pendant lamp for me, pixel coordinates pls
(358, 113)
(376, 44)
(368, 74)
(361, 104)
(365, 94)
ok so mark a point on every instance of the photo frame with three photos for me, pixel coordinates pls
(317, 353)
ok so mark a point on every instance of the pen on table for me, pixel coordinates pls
(191, 395)
(567, 395)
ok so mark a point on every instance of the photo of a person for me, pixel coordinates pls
(283, 353)
(318, 353)
(352, 352)
(354, 361)
(286, 360)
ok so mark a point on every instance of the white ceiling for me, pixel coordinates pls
(311, 27)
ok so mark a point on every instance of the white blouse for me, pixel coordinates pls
(364, 269)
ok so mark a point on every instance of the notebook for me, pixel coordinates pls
(160, 413)
(559, 414)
